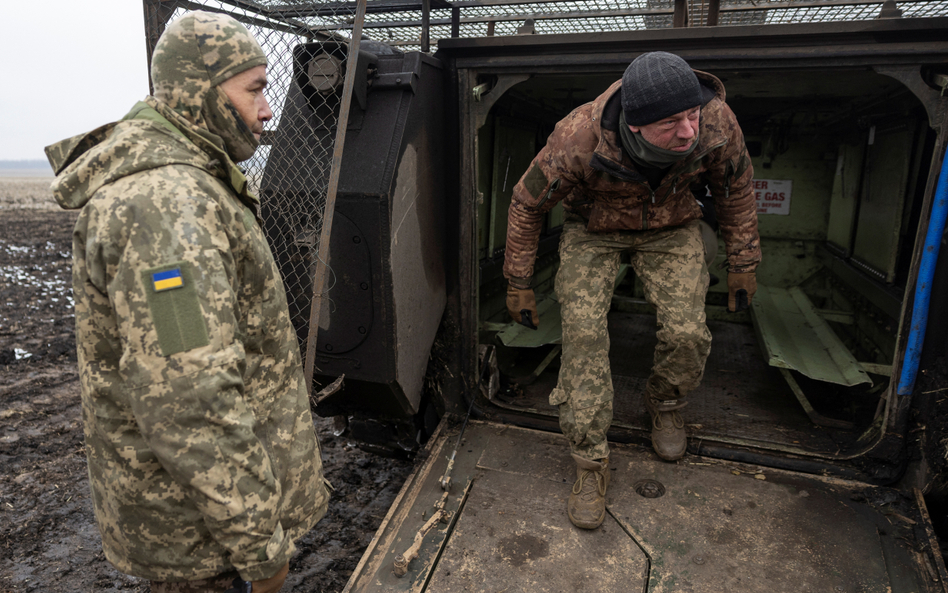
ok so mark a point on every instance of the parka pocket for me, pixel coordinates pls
(557, 397)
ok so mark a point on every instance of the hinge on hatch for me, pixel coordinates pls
(479, 91)
(395, 80)
(942, 81)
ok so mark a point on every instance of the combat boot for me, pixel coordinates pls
(668, 428)
(587, 502)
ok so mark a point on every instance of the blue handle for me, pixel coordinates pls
(923, 287)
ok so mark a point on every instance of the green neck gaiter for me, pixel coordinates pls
(647, 154)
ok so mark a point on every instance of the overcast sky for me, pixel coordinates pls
(69, 66)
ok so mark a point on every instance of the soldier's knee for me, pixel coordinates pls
(691, 335)
(589, 335)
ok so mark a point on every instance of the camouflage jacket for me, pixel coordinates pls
(583, 165)
(201, 447)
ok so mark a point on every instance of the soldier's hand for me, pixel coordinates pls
(273, 584)
(522, 306)
(741, 288)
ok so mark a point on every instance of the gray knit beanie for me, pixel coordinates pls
(656, 85)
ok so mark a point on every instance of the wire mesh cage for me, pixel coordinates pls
(295, 184)
(292, 219)
(402, 23)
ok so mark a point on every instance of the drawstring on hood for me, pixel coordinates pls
(194, 55)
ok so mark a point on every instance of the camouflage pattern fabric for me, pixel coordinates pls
(202, 452)
(671, 264)
(196, 53)
(584, 166)
(217, 584)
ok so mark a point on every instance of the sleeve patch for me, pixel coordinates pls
(175, 308)
(535, 181)
(167, 280)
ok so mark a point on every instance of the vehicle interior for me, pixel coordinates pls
(841, 160)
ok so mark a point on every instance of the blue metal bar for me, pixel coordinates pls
(923, 288)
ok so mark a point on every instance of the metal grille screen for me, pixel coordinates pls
(399, 23)
(293, 219)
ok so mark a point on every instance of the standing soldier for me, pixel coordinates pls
(624, 165)
(202, 454)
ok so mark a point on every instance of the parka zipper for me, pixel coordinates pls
(698, 157)
(553, 187)
(651, 191)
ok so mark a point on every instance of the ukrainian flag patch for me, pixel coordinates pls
(177, 313)
(167, 280)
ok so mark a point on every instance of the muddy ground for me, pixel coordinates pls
(48, 538)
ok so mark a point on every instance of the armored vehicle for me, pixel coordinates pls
(817, 450)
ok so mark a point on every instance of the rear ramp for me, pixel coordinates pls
(715, 526)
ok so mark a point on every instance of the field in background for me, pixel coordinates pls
(26, 189)
(49, 542)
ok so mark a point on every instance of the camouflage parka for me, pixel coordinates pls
(583, 165)
(201, 447)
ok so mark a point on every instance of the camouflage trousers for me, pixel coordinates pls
(670, 263)
(220, 584)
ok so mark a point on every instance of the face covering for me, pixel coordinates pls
(194, 55)
(223, 120)
(645, 153)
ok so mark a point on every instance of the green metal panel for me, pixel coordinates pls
(883, 197)
(846, 185)
(794, 336)
(786, 263)
(788, 241)
(514, 149)
(805, 164)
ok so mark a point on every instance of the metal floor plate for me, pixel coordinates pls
(519, 542)
(741, 398)
(718, 526)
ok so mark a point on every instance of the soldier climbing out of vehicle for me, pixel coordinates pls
(623, 165)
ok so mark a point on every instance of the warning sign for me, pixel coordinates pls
(773, 195)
